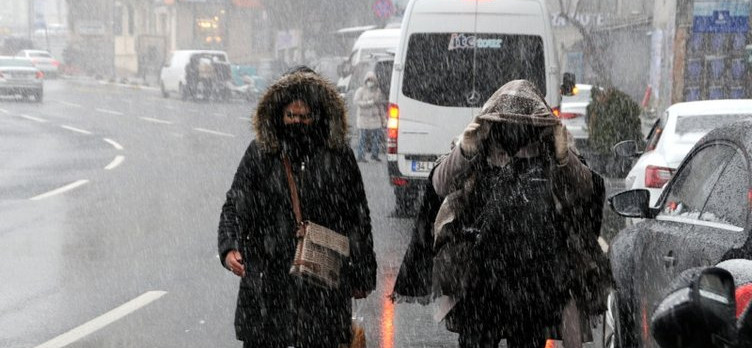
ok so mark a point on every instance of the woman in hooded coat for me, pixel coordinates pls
(300, 117)
(513, 239)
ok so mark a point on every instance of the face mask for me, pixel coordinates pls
(300, 139)
(370, 84)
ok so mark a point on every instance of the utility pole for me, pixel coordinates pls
(31, 17)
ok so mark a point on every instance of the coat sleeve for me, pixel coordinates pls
(448, 171)
(573, 182)
(362, 257)
(360, 99)
(229, 227)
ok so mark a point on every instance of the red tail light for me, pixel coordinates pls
(556, 111)
(392, 128)
(40, 75)
(743, 297)
(656, 177)
(55, 63)
(569, 115)
(396, 181)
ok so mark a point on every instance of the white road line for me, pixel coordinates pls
(60, 190)
(77, 130)
(36, 119)
(155, 120)
(170, 107)
(113, 143)
(103, 320)
(214, 132)
(111, 112)
(4, 111)
(218, 114)
(69, 104)
(245, 118)
(115, 162)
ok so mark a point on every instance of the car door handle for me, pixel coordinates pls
(669, 260)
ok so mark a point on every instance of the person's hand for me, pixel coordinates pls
(234, 262)
(561, 144)
(358, 294)
(471, 139)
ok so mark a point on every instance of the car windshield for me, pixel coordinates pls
(12, 62)
(40, 55)
(447, 69)
(704, 123)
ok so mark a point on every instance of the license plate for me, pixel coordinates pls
(422, 166)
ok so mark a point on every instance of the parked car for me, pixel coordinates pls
(172, 78)
(43, 60)
(573, 112)
(674, 134)
(18, 76)
(702, 219)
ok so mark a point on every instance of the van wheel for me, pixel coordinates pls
(405, 202)
(183, 92)
(165, 94)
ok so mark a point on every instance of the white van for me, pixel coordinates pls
(172, 75)
(370, 44)
(452, 56)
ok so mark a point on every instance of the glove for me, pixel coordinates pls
(471, 139)
(561, 144)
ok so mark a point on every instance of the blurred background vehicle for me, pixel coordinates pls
(702, 219)
(42, 60)
(18, 76)
(674, 134)
(172, 77)
(371, 43)
(573, 112)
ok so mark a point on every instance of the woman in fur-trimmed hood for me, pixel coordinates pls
(301, 117)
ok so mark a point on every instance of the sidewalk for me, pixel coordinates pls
(132, 83)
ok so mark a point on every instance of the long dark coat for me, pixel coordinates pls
(257, 218)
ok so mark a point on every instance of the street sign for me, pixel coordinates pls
(383, 8)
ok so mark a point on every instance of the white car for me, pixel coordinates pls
(674, 134)
(172, 76)
(42, 60)
(573, 112)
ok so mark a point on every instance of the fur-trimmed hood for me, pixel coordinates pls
(320, 95)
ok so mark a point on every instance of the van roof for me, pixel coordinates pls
(378, 38)
(532, 7)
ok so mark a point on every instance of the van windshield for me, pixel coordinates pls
(439, 67)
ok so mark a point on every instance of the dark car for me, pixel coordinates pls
(701, 219)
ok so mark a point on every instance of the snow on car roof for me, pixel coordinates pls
(712, 107)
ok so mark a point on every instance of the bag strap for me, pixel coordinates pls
(293, 194)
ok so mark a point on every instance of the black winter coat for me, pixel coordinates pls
(257, 219)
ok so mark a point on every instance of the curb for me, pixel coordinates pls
(107, 83)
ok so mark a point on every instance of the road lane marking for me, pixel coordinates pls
(36, 119)
(155, 120)
(170, 107)
(214, 132)
(69, 104)
(218, 114)
(115, 162)
(603, 244)
(245, 118)
(103, 320)
(111, 112)
(60, 190)
(113, 143)
(4, 111)
(77, 130)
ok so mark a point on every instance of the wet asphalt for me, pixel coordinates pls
(145, 179)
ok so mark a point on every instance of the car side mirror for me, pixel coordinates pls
(626, 148)
(699, 311)
(632, 203)
(344, 69)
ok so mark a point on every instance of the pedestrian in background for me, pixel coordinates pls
(300, 120)
(371, 116)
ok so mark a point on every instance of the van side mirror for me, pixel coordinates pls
(632, 203)
(344, 69)
(568, 83)
(699, 311)
(626, 148)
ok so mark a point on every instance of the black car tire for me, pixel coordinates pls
(405, 201)
(39, 96)
(165, 94)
